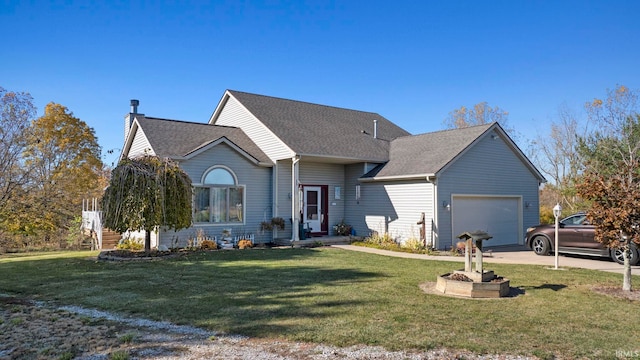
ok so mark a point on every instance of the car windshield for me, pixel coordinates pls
(578, 219)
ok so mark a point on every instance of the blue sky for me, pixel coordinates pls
(410, 61)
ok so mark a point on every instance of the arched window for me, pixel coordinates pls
(219, 176)
(219, 200)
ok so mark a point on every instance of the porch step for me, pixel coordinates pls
(282, 242)
(325, 240)
(110, 239)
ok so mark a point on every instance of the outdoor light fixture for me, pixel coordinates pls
(446, 205)
(557, 210)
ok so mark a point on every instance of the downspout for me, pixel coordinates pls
(435, 239)
(274, 210)
(295, 201)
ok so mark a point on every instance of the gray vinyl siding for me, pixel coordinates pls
(257, 186)
(282, 207)
(234, 114)
(410, 199)
(354, 210)
(388, 207)
(313, 173)
(395, 208)
(140, 145)
(490, 167)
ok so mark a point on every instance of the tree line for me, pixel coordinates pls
(578, 141)
(48, 164)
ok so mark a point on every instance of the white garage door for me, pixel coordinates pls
(499, 216)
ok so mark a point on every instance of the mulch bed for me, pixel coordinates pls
(116, 255)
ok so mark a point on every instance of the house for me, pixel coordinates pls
(262, 157)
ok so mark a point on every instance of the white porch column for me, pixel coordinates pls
(295, 198)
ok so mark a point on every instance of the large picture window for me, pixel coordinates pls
(219, 199)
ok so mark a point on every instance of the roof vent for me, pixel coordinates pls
(134, 106)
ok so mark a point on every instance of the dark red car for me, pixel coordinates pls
(575, 236)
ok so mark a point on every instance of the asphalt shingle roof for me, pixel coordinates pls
(174, 138)
(312, 129)
(426, 154)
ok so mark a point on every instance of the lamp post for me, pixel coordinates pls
(556, 212)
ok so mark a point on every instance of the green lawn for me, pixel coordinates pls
(343, 298)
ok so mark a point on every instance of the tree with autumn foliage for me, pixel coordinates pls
(63, 158)
(145, 193)
(480, 114)
(611, 181)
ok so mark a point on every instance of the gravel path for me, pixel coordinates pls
(31, 330)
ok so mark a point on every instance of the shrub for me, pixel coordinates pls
(546, 215)
(130, 244)
(378, 241)
(244, 244)
(413, 244)
(384, 240)
(342, 229)
(208, 245)
(76, 235)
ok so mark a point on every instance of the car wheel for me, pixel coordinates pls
(618, 256)
(540, 245)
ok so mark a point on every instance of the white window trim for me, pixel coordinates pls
(202, 184)
(210, 169)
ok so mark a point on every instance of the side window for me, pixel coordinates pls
(219, 200)
(575, 220)
(581, 219)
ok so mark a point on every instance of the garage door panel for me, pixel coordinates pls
(499, 216)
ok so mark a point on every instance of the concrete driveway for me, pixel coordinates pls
(512, 255)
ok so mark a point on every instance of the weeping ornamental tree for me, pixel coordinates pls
(145, 193)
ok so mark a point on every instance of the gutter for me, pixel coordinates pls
(427, 177)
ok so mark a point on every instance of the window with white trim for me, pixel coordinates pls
(219, 200)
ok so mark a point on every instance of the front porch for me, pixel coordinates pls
(325, 240)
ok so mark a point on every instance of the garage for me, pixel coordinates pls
(500, 216)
